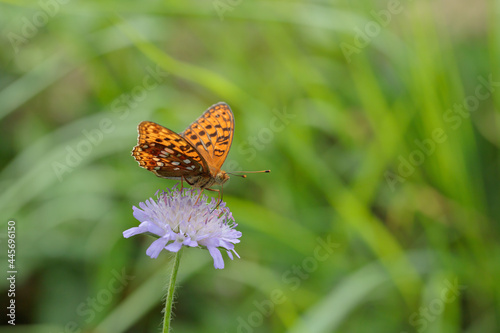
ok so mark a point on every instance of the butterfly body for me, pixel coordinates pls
(195, 155)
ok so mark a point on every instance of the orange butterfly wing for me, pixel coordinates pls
(212, 134)
(167, 153)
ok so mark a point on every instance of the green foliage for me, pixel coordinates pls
(379, 121)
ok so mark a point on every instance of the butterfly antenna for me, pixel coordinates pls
(245, 176)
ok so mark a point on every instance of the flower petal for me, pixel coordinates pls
(142, 228)
(132, 232)
(174, 247)
(191, 243)
(155, 248)
(227, 245)
(215, 253)
(139, 214)
(154, 229)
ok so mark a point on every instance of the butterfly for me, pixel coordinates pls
(195, 155)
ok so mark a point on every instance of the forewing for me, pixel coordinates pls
(212, 134)
(166, 153)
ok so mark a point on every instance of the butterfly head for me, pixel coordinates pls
(221, 177)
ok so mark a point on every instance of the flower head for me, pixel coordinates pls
(179, 220)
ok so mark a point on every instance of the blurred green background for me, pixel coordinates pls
(378, 119)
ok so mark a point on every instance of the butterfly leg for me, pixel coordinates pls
(219, 199)
(201, 192)
(220, 196)
(182, 182)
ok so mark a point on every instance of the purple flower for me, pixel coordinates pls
(178, 221)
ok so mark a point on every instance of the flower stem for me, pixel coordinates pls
(170, 293)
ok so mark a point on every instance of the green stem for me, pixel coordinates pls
(170, 293)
